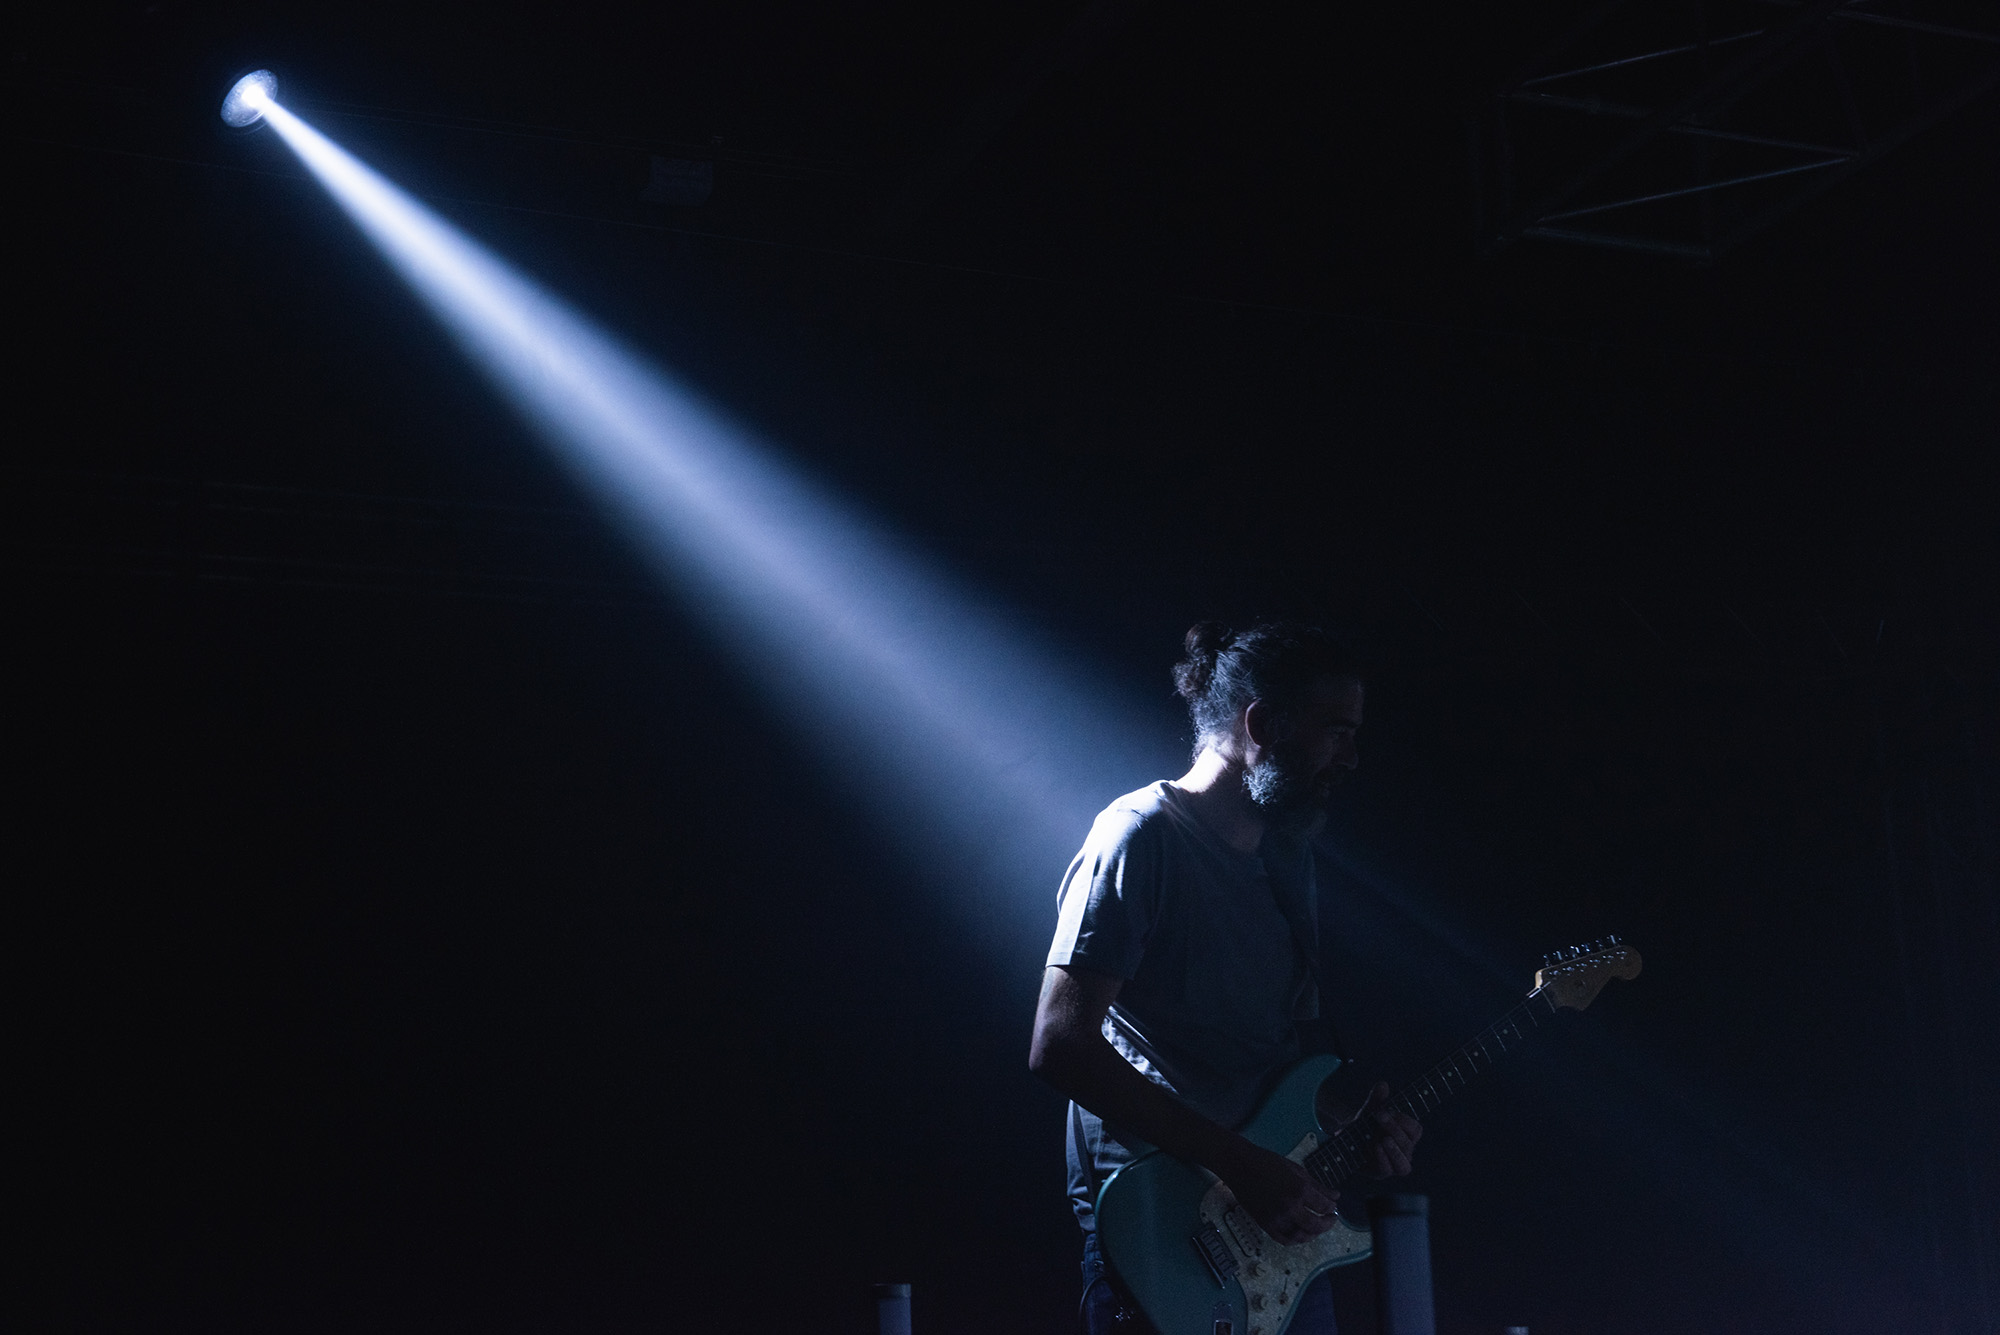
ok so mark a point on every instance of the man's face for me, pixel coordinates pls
(1310, 752)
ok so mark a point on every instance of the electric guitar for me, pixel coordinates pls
(1194, 1260)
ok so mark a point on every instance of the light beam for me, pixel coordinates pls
(983, 753)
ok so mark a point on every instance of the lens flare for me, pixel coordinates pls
(983, 754)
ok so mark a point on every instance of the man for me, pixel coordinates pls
(1185, 956)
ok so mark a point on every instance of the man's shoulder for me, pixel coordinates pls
(1141, 807)
(1139, 817)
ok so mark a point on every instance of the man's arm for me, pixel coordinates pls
(1069, 1051)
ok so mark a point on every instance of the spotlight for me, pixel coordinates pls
(248, 97)
(979, 750)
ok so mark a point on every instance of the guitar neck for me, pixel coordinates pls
(1347, 1152)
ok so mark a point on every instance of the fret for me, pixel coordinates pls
(1347, 1153)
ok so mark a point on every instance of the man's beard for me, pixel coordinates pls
(1287, 795)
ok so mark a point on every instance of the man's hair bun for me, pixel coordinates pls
(1205, 643)
(1277, 661)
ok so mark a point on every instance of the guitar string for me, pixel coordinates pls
(1341, 1156)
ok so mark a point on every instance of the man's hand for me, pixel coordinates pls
(1392, 1134)
(1069, 1051)
(1280, 1195)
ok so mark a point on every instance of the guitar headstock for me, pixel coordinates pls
(1574, 977)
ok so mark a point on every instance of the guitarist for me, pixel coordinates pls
(1184, 978)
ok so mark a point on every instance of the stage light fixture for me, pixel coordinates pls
(248, 98)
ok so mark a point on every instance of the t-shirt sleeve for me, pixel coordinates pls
(1110, 897)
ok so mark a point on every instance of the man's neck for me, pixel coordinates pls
(1214, 791)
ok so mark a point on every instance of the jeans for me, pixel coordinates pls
(1105, 1313)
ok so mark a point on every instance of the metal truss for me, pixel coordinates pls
(1683, 129)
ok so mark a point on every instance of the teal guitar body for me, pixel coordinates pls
(1198, 1264)
(1194, 1261)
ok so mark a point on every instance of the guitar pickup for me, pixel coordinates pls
(1247, 1235)
(1215, 1254)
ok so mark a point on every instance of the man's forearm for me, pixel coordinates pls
(1092, 1073)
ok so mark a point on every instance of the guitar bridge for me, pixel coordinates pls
(1215, 1255)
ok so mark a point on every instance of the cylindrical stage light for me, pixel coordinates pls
(248, 97)
(1403, 1302)
(892, 1309)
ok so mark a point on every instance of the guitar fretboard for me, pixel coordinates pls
(1345, 1154)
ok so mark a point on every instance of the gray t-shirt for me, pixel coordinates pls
(1216, 949)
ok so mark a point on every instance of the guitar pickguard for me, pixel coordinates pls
(1273, 1274)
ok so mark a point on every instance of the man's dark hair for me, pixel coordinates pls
(1275, 661)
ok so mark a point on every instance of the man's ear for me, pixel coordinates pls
(1262, 722)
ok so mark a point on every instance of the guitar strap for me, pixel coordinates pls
(1295, 886)
(1295, 889)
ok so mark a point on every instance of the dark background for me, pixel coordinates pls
(419, 924)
